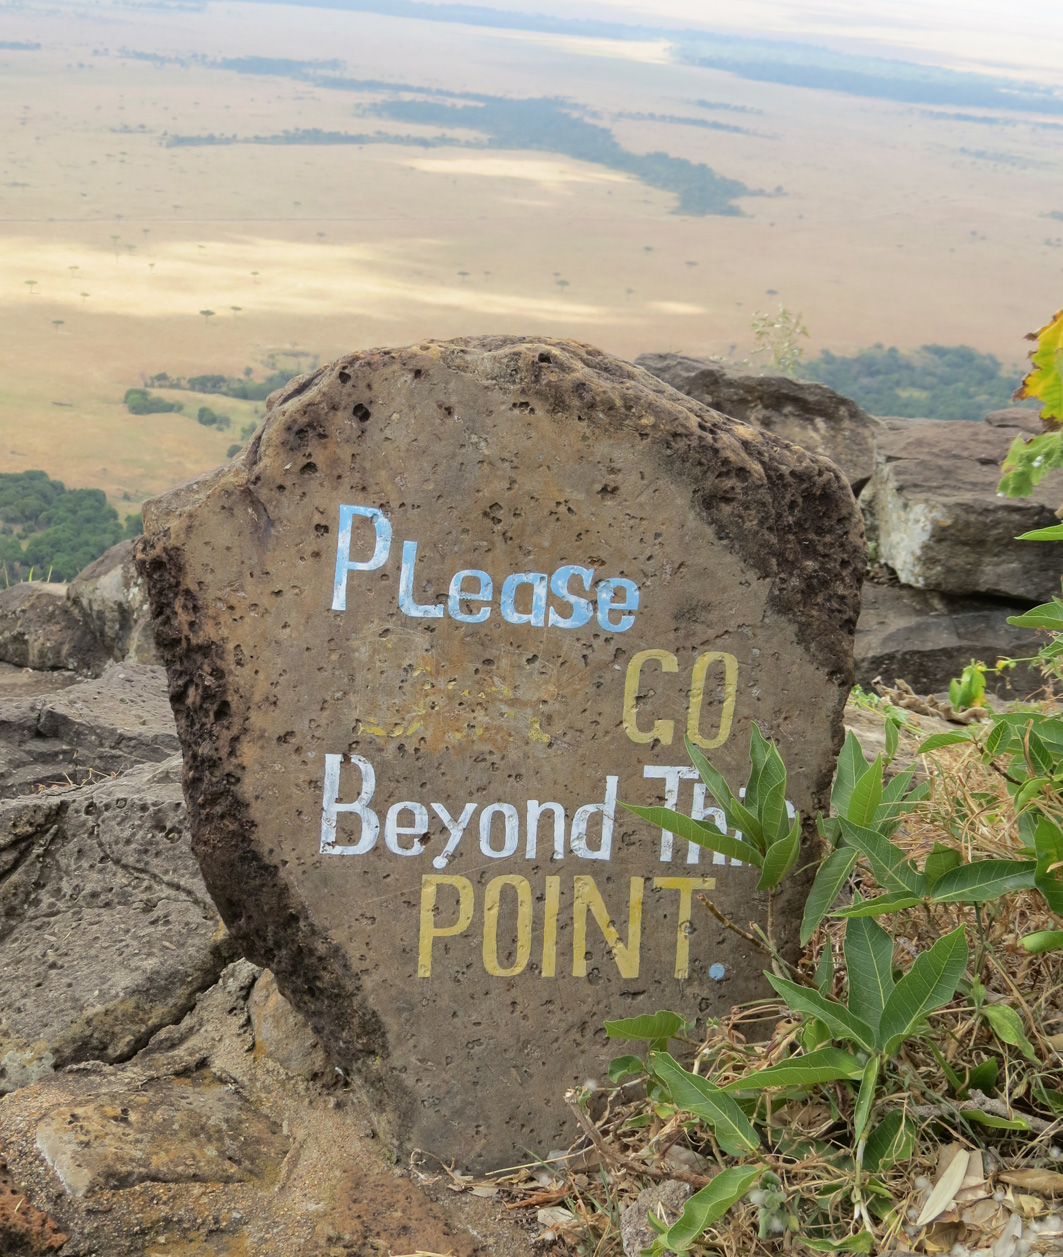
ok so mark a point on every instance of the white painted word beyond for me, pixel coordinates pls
(406, 824)
(470, 595)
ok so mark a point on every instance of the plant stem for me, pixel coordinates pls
(626, 1163)
(767, 948)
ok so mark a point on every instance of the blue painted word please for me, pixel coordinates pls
(470, 596)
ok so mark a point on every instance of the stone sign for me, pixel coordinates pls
(451, 607)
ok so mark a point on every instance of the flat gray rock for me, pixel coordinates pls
(927, 638)
(453, 605)
(85, 731)
(932, 505)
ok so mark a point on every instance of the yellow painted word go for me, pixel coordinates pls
(664, 730)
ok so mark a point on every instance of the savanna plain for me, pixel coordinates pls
(242, 189)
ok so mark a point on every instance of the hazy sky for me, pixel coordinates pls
(995, 36)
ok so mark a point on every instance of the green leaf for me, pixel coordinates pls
(879, 906)
(851, 766)
(766, 788)
(865, 1096)
(869, 960)
(939, 862)
(1039, 755)
(1048, 843)
(984, 1077)
(704, 835)
(832, 876)
(1049, 615)
(1007, 1026)
(891, 1140)
(646, 1028)
(1054, 532)
(709, 1205)
(985, 879)
(780, 858)
(893, 737)
(827, 1064)
(991, 1119)
(858, 1243)
(842, 1022)
(1051, 1099)
(866, 796)
(894, 804)
(930, 983)
(738, 817)
(1042, 940)
(697, 1095)
(937, 740)
(624, 1066)
(888, 862)
(998, 737)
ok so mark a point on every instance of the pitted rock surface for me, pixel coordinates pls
(811, 415)
(106, 929)
(453, 604)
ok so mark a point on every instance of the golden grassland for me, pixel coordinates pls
(890, 229)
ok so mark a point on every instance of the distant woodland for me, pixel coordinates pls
(932, 382)
(47, 528)
(539, 124)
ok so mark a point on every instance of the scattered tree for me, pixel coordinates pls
(139, 401)
(207, 315)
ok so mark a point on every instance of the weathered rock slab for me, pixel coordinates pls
(933, 509)
(107, 932)
(40, 628)
(86, 731)
(296, 1170)
(808, 414)
(452, 605)
(164, 1131)
(926, 639)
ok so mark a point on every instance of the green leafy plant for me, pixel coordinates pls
(845, 1045)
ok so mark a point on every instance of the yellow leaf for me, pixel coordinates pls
(1045, 382)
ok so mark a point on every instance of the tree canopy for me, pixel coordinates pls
(44, 526)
